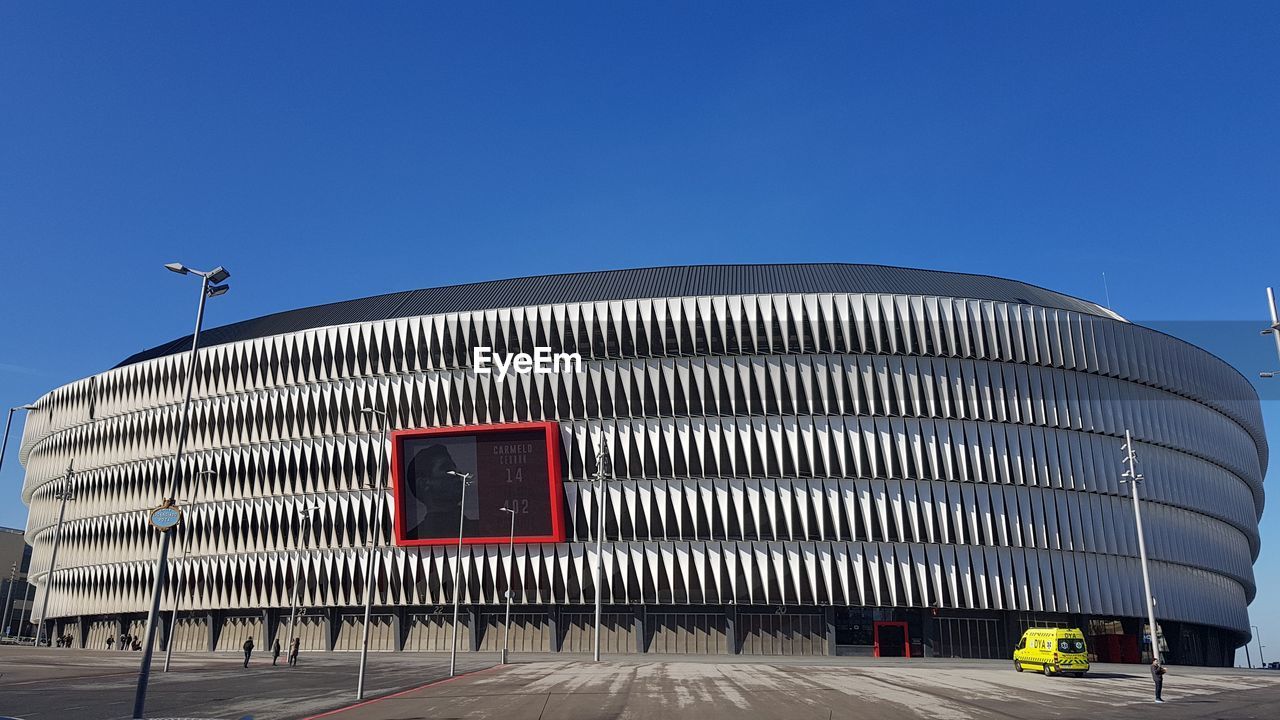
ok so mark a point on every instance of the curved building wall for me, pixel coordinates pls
(795, 450)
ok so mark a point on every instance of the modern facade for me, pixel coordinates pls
(805, 459)
(15, 591)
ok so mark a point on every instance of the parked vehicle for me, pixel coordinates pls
(1053, 651)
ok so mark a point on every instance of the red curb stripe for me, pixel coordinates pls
(424, 686)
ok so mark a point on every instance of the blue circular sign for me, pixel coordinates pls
(166, 518)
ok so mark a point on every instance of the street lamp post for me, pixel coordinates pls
(210, 286)
(370, 571)
(63, 494)
(173, 620)
(457, 570)
(603, 465)
(306, 514)
(13, 574)
(29, 599)
(7, 422)
(1134, 479)
(1274, 328)
(1258, 635)
(8, 596)
(511, 561)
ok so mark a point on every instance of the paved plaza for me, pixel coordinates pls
(98, 685)
(52, 684)
(805, 689)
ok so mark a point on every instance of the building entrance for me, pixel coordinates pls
(891, 640)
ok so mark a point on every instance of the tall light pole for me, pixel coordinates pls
(63, 494)
(511, 561)
(370, 572)
(4, 446)
(173, 620)
(177, 599)
(210, 286)
(28, 597)
(1274, 331)
(457, 570)
(603, 465)
(7, 422)
(1132, 476)
(8, 597)
(1274, 328)
(306, 514)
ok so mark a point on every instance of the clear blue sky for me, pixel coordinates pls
(324, 152)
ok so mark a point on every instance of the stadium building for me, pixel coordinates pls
(804, 459)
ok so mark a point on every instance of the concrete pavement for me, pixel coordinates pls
(46, 684)
(800, 689)
(59, 684)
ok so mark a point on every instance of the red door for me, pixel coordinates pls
(891, 639)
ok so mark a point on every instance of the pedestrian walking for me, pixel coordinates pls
(293, 651)
(1157, 676)
(248, 650)
(111, 640)
(275, 652)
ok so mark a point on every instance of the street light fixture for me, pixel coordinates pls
(306, 514)
(511, 561)
(173, 620)
(4, 446)
(7, 422)
(1273, 329)
(1134, 478)
(8, 605)
(1258, 635)
(64, 494)
(177, 599)
(603, 466)
(370, 572)
(208, 281)
(457, 570)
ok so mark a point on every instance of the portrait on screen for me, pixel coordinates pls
(505, 467)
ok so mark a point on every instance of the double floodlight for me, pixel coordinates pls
(214, 277)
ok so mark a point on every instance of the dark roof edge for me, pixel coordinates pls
(273, 323)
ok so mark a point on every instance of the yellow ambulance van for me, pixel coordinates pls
(1053, 651)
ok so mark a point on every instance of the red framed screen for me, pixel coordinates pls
(511, 465)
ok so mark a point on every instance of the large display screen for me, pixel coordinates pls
(507, 466)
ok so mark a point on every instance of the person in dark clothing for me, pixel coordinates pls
(111, 640)
(1157, 676)
(275, 652)
(293, 651)
(248, 650)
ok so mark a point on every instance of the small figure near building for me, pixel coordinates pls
(248, 650)
(275, 652)
(293, 651)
